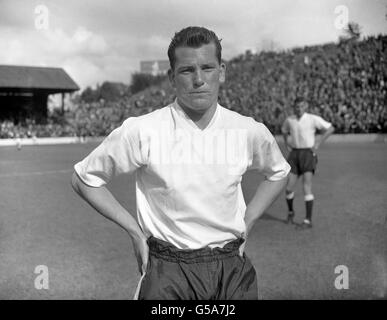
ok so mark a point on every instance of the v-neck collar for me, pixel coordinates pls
(191, 124)
(299, 119)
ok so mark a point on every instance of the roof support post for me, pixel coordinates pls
(63, 95)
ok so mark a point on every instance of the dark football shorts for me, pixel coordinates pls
(201, 274)
(302, 160)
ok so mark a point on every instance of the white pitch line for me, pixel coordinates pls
(34, 173)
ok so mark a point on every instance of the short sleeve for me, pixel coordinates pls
(320, 123)
(267, 156)
(119, 153)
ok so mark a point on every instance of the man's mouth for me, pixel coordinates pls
(199, 92)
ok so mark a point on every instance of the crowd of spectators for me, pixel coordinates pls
(29, 129)
(346, 83)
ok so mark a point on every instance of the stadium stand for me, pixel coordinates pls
(345, 82)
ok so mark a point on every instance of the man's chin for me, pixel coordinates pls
(198, 105)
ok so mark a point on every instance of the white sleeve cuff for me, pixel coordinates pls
(280, 174)
(89, 179)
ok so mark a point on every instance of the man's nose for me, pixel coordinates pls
(198, 78)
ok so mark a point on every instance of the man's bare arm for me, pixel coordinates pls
(265, 195)
(106, 204)
(324, 136)
(286, 137)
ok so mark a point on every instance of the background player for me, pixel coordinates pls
(301, 127)
(18, 141)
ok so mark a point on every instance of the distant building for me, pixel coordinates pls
(24, 91)
(154, 67)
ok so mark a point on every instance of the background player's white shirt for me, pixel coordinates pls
(302, 131)
(187, 180)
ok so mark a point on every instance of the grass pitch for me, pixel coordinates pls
(43, 222)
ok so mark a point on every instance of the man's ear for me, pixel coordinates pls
(171, 77)
(222, 73)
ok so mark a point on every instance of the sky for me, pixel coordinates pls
(96, 41)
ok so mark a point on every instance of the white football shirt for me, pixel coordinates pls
(188, 181)
(302, 131)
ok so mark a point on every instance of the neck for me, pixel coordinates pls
(299, 115)
(200, 118)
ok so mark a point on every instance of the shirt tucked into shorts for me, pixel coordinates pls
(189, 196)
(201, 274)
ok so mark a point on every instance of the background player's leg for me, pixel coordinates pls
(292, 180)
(308, 194)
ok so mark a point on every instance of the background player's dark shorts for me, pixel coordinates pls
(202, 274)
(302, 160)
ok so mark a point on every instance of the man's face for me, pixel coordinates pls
(300, 108)
(197, 76)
